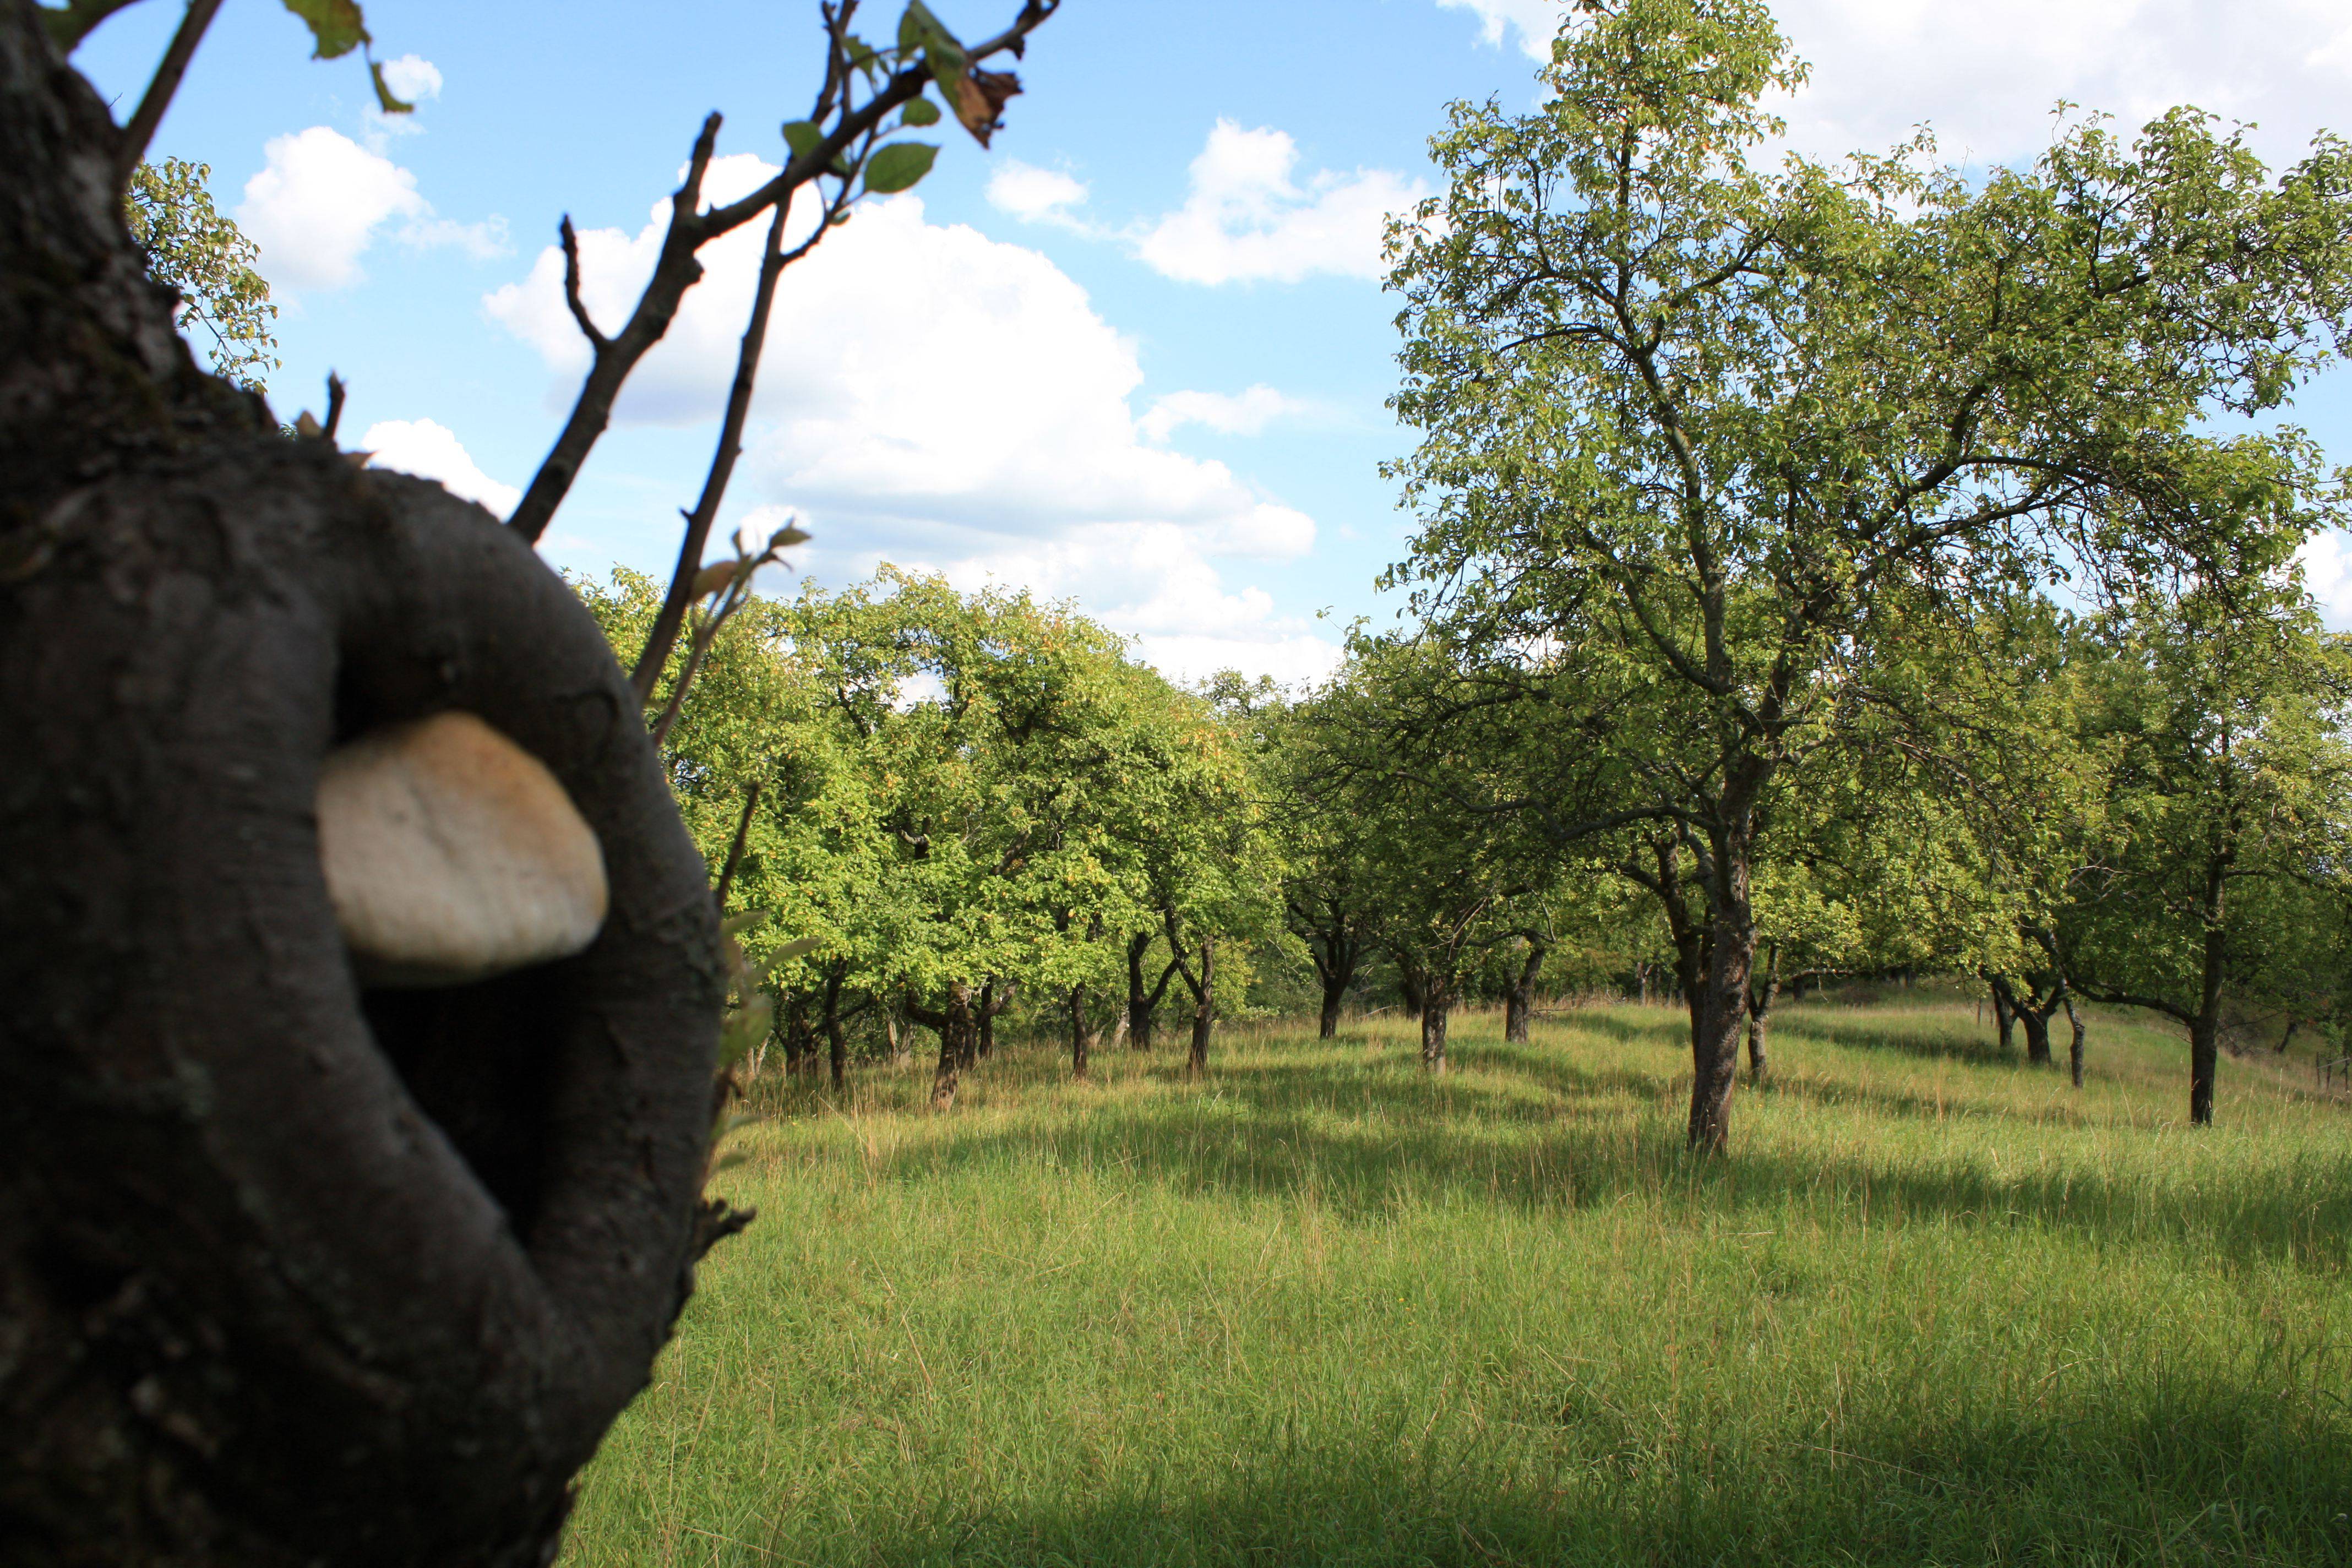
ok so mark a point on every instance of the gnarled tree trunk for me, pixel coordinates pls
(291, 1272)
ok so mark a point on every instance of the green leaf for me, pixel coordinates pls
(789, 951)
(918, 30)
(899, 166)
(802, 137)
(336, 25)
(922, 111)
(735, 925)
(384, 94)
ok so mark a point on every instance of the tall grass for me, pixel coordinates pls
(1935, 1307)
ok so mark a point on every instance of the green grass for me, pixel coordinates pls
(1935, 1307)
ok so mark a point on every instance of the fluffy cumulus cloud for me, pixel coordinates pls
(413, 78)
(1243, 414)
(1034, 195)
(2327, 572)
(321, 200)
(942, 400)
(432, 451)
(1986, 76)
(1248, 215)
(317, 204)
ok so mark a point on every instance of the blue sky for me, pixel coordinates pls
(1135, 354)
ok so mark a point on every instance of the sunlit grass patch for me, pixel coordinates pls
(1323, 1308)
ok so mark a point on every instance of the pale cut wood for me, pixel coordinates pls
(452, 855)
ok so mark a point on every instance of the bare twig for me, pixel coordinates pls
(149, 112)
(672, 616)
(742, 832)
(336, 391)
(596, 340)
(691, 229)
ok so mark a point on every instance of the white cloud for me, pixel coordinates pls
(1245, 414)
(1986, 76)
(1534, 22)
(934, 397)
(1034, 195)
(412, 79)
(2327, 573)
(1245, 218)
(319, 200)
(432, 451)
(317, 204)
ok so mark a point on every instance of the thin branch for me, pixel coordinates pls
(742, 832)
(596, 340)
(336, 391)
(140, 130)
(675, 604)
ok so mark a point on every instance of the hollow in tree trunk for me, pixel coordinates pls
(292, 1272)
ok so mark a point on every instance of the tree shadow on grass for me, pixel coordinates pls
(2207, 1475)
(1518, 1128)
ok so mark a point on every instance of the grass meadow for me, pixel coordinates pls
(1935, 1308)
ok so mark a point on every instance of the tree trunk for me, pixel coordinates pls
(2034, 1019)
(954, 1024)
(1082, 1034)
(837, 1039)
(2075, 1051)
(1518, 1006)
(1759, 1015)
(2205, 1032)
(2003, 1017)
(1410, 986)
(1720, 964)
(984, 1035)
(1142, 1004)
(1204, 1009)
(1327, 1022)
(1436, 1003)
(290, 1272)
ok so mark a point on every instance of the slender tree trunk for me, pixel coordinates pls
(2035, 1020)
(1204, 1009)
(1719, 1002)
(2003, 1017)
(1081, 1034)
(1518, 1006)
(835, 1039)
(1142, 1003)
(1411, 986)
(984, 1035)
(1327, 1022)
(955, 1028)
(2075, 1051)
(1759, 1015)
(1436, 1004)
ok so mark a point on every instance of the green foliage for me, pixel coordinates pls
(192, 249)
(1328, 1309)
(337, 27)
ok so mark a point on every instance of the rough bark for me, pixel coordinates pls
(1204, 1009)
(1759, 1015)
(1142, 1001)
(1519, 1005)
(289, 1272)
(1436, 1006)
(955, 1027)
(837, 1039)
(2074, 1051)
